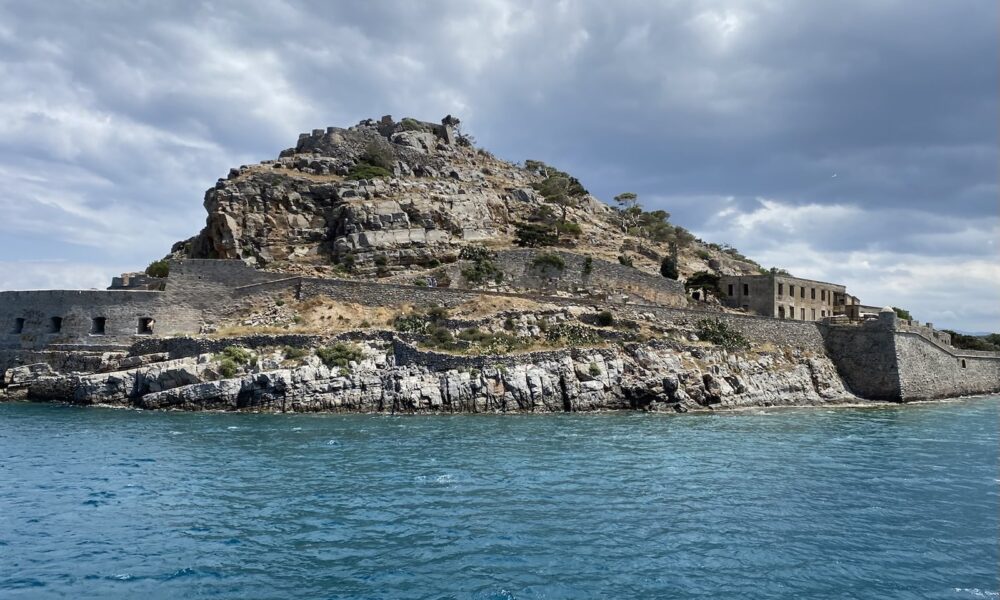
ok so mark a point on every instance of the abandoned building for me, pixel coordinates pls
(783, 296)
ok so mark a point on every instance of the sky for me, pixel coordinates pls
(853, 141)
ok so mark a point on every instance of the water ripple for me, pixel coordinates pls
(894, 502)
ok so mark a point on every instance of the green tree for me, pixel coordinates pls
(158, 268)
(703, 280)
(668, 268)
(902, 313)
(628, 207)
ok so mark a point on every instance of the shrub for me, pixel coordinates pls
(378, 154)
(535, 235)
(381, 260)
(339, 355)
(703, 254)
(414, 323)
(508, 324)
(367, 171)
(605, 318)
(626, 260)
(411, 124)
(718, 332)
(238, 355)
(549, 261)
(588, 266)
(594, 370)
(348, 260)
(440, 335)
(442, 278)
(279, 302)
(158, 268)
(570, 228)
(668, 268)
(475, 253)
(902, 313)
(437, 313)
(481, 271)
(293, 353)
(228, 368)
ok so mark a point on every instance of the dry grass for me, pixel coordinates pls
(241, 330)
(291, 173)
(487, 306)
(327, 316)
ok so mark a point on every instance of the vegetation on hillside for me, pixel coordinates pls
(158, 268)
(988, 343)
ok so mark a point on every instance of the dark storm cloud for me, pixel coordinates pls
(837, 128)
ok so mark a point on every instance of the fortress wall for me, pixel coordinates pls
(518, 267)
(804, 335)
(865, 357)
(929, 370)
(77, 309)
(375, 294)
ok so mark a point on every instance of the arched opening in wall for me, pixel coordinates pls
(145, 326)
(696, 295)
(97, 325)
(18, 325)
(55, 324)
(962, 361)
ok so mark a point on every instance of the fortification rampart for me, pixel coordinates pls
(883, 359)
(579, 275)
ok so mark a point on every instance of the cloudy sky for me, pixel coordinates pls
(854, 141)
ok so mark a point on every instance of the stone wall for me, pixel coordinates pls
(519, 270)
(865, 356)
(883, 360)
(68, 316)
(930, 370)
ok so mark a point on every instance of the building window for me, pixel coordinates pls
(812, 293)
(55, 324)
(781, 312)
(18, 325)
(802, 312)
(730, 289)
(791, 290)
(802, 292)
(791, 312)
(963, 363)
(746, 289)
(97, 326)
(822, 313)
(145, 326)
(814, 314)
(781, 289)
(822, 295)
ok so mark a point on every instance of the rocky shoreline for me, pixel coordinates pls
(396, 377)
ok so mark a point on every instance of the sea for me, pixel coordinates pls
(874, 502)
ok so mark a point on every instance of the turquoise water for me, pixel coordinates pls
(898, 502)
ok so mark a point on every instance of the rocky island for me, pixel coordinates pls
(396, 267)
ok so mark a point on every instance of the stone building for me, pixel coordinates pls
(782, 296)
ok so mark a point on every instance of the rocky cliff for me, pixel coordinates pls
(389, 377)
(385, 198)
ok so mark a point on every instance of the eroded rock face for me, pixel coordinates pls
(631, 377)
(299, 209)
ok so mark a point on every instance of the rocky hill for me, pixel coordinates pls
(398, 200)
